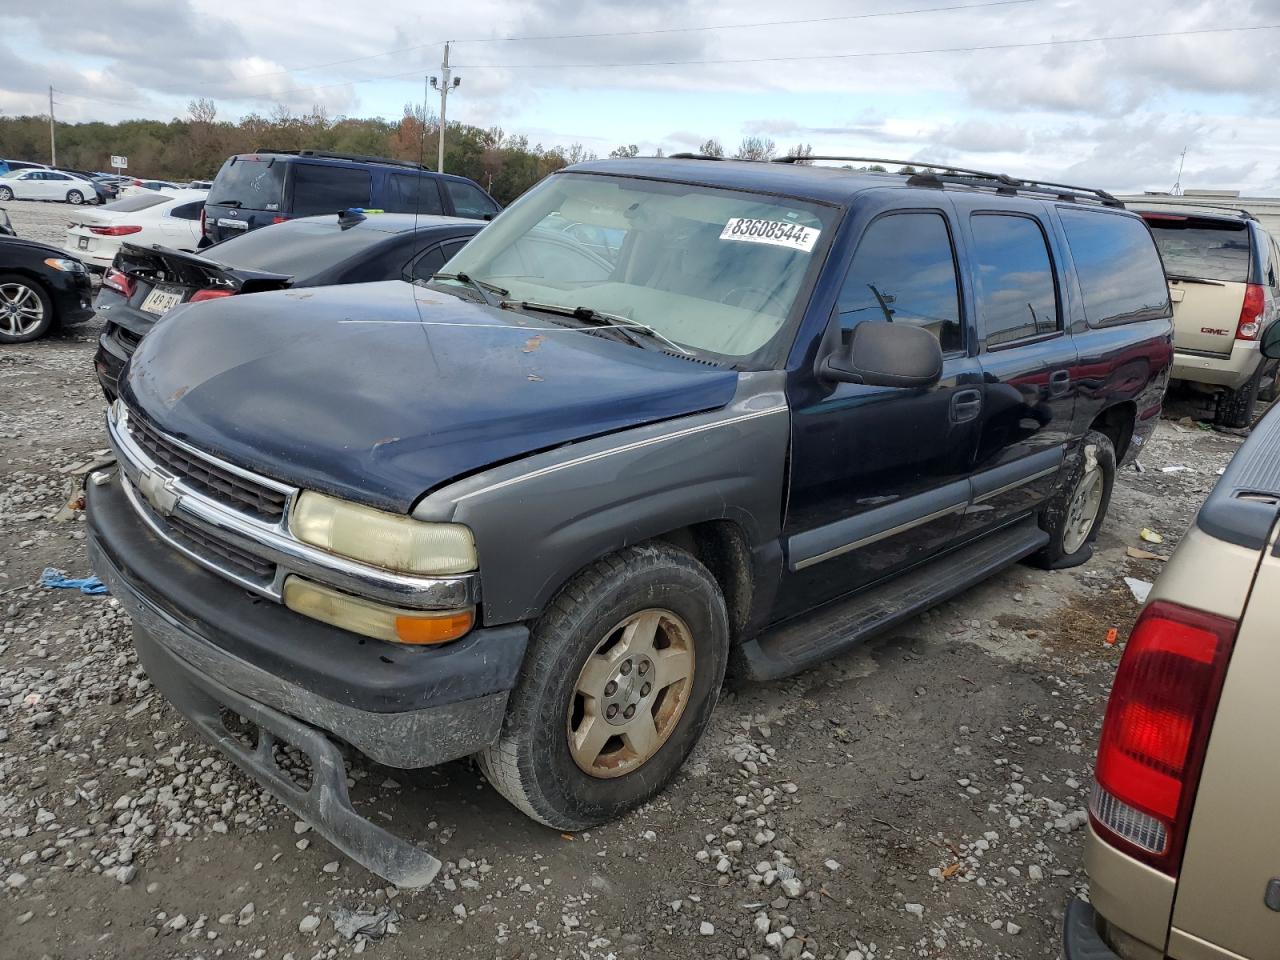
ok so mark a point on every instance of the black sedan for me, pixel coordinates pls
(40, 287)
(145, 283)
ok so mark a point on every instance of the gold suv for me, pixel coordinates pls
(1183, 852)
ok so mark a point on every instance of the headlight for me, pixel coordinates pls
(383, 539)
(65, 265)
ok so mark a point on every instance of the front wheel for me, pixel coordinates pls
(1074, 516)
(75, 197)
(6, 194)
(623, 672)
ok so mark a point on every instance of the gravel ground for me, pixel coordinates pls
(921, 797)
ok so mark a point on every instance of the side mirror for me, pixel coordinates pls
(887, 355)
(1271, 341)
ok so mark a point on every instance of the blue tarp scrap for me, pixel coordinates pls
(53, 577)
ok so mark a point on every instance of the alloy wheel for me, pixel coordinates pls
(631, 693)
(21, 310)
(1082, 512)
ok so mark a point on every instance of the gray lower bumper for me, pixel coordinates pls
(325, 804)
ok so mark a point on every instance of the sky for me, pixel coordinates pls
(881, 78)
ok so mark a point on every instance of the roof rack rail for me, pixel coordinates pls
(692, 156)
(936, 174)
(356, 157)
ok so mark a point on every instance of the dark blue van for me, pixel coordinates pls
(256, 189)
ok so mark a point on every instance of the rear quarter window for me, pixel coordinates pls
(320, 188)
(1121, 278)
(410, 193)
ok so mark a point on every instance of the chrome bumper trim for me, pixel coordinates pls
(271, 542)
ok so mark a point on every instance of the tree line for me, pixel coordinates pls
(193, 147)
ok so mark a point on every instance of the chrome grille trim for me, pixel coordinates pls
(268, 542)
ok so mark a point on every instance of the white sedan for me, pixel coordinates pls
(47, 185)
(170, 218)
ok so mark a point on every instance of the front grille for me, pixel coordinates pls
(224, 553)
(222, 485)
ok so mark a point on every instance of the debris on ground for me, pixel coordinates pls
(53, 577)
(371, 924)
(1141, 589)
(1137, 553)
(1150, 535)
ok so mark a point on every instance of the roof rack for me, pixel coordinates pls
(356, 157)
(936, 174)
(692, 156)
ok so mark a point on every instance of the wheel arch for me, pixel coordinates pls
(1117, 423)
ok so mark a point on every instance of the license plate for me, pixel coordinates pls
(232, 224)
(161, 300)
(83, 243)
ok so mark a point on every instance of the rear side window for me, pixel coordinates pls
(1120, 278)
(905, 271)
(187, 211)
(469, 200)
(409, 193)
(1017, 296)
(1201, 249)
(319, 188)
(252, 184)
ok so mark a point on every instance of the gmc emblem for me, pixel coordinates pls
(1215, 332)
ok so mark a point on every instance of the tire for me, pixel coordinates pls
(75, 197)
(1236, 407)
(1064, 517)
(6, 194)
(26, 312)
(1270, 387)
(532, 763)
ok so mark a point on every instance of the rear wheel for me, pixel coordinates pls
(1074, 516)
(1236, 407)
(6, 193)
(26, 312)
(75, 197)
(1270, 388)
(622, 675)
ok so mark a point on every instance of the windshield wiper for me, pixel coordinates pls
(482, 287)
(1205, 281)
(599, 318)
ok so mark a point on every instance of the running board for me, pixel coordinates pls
(843, 624)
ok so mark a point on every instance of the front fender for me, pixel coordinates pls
(540, 520)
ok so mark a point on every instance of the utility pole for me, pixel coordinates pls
(1177, 187)
(53, 139)
(444, 83)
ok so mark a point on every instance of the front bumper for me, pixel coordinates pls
(72, 298)
(1231, 371)
(1080, 937)
(208, 644)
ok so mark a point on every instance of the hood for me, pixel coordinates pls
(345, 390)
(34, 245)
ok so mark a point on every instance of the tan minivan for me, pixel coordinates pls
(1183, 852)
(1224, 281)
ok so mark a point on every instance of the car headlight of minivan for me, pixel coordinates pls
(382, 539)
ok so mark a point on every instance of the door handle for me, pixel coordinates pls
(1059, 382)
(965, 405)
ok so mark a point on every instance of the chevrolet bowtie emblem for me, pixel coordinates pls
(158, 492)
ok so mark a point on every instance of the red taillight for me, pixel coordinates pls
(1255, 302)
(1156, 729)
(279, 219)
(122, 231)
(118, 281)
(200, 295)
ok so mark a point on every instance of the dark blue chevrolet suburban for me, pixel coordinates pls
(532, 508)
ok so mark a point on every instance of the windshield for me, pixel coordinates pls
(1204, 249)
(253, 184)
(713, 270)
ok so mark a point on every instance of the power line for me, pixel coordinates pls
(870, 53)
(640, 33)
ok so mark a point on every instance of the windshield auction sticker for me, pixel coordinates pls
(777, 233)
